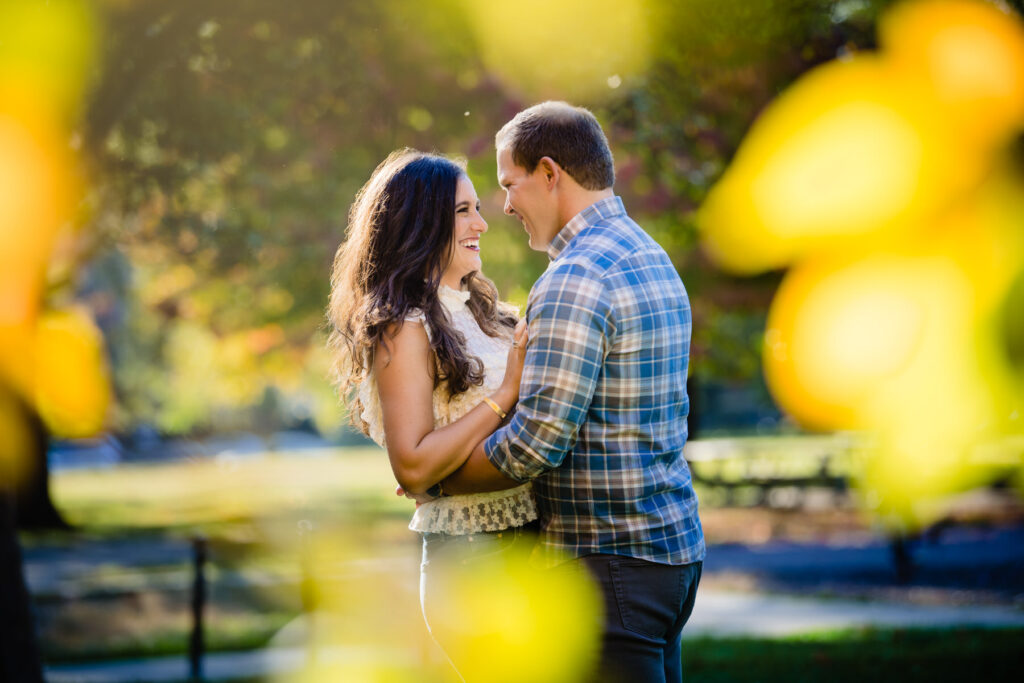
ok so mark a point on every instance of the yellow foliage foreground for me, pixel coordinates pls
(54, 363)
(885, 184)
(499, 618)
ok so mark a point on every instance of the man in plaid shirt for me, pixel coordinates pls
(601, 420)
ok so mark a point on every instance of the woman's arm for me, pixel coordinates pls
(420, 455)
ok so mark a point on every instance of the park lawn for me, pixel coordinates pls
(200, 493)
(904, 655)
(196, 494)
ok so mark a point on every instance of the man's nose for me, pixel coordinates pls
(509, 211)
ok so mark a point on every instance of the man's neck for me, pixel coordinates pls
(578, 201)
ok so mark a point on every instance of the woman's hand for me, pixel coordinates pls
(418, 498)
(509, 389)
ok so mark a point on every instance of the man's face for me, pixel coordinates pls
(529, 198)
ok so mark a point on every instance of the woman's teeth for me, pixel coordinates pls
(473, 244)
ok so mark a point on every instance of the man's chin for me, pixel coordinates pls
(532, 241)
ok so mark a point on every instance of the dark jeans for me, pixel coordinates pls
(646, 605)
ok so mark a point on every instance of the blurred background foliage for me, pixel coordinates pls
(223, 144)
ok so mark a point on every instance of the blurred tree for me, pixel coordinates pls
(228, 141)
(716, 66)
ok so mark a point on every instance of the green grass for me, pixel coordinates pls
(203, 495)
(932, 656)
(200, 494)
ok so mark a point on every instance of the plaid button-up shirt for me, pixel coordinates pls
(601, 419)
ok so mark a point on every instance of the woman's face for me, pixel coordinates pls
(469, 225)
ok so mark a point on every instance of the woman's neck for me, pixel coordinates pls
(452, 283)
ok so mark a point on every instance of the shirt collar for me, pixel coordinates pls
(608, 207)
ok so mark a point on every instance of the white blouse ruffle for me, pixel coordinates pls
(472, 513)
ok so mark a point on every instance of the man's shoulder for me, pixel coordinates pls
(598, 246)
(601, 257)
(612, 245)
(572, 277)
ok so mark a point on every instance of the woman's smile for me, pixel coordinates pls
(469, 225)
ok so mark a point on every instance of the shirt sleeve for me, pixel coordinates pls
(571, 327)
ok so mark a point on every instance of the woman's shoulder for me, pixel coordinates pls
(406, 341)
(415, 316)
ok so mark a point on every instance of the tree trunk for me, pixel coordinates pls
(19, 653)
(33, 506)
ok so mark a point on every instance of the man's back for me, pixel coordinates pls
(603, 402)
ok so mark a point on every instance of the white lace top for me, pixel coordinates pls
(477, 512)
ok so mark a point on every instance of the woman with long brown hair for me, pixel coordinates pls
(426, 357)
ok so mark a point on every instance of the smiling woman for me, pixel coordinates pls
(429, 361)
(469, 225)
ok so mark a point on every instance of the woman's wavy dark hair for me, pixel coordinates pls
(398, 243)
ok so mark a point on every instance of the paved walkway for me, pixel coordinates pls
(720, 613)
(963, 559)
(216, 666)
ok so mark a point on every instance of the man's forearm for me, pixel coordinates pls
(477, 475)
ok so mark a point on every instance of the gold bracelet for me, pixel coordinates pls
(495, 407)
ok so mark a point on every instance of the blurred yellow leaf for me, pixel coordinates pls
(970, 56)
(904, 343)
(501, 619)
(881, 182)
(71, 386)
(848, 155)
(47, 49)
(34, 194)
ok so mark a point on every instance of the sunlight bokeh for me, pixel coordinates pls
(970, 57)
(564, 49)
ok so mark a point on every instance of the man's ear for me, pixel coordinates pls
(551, 170)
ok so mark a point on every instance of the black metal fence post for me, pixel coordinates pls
(196, 644)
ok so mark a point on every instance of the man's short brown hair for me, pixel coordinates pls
(569, 135)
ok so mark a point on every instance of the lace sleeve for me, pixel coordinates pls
(417, 316)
